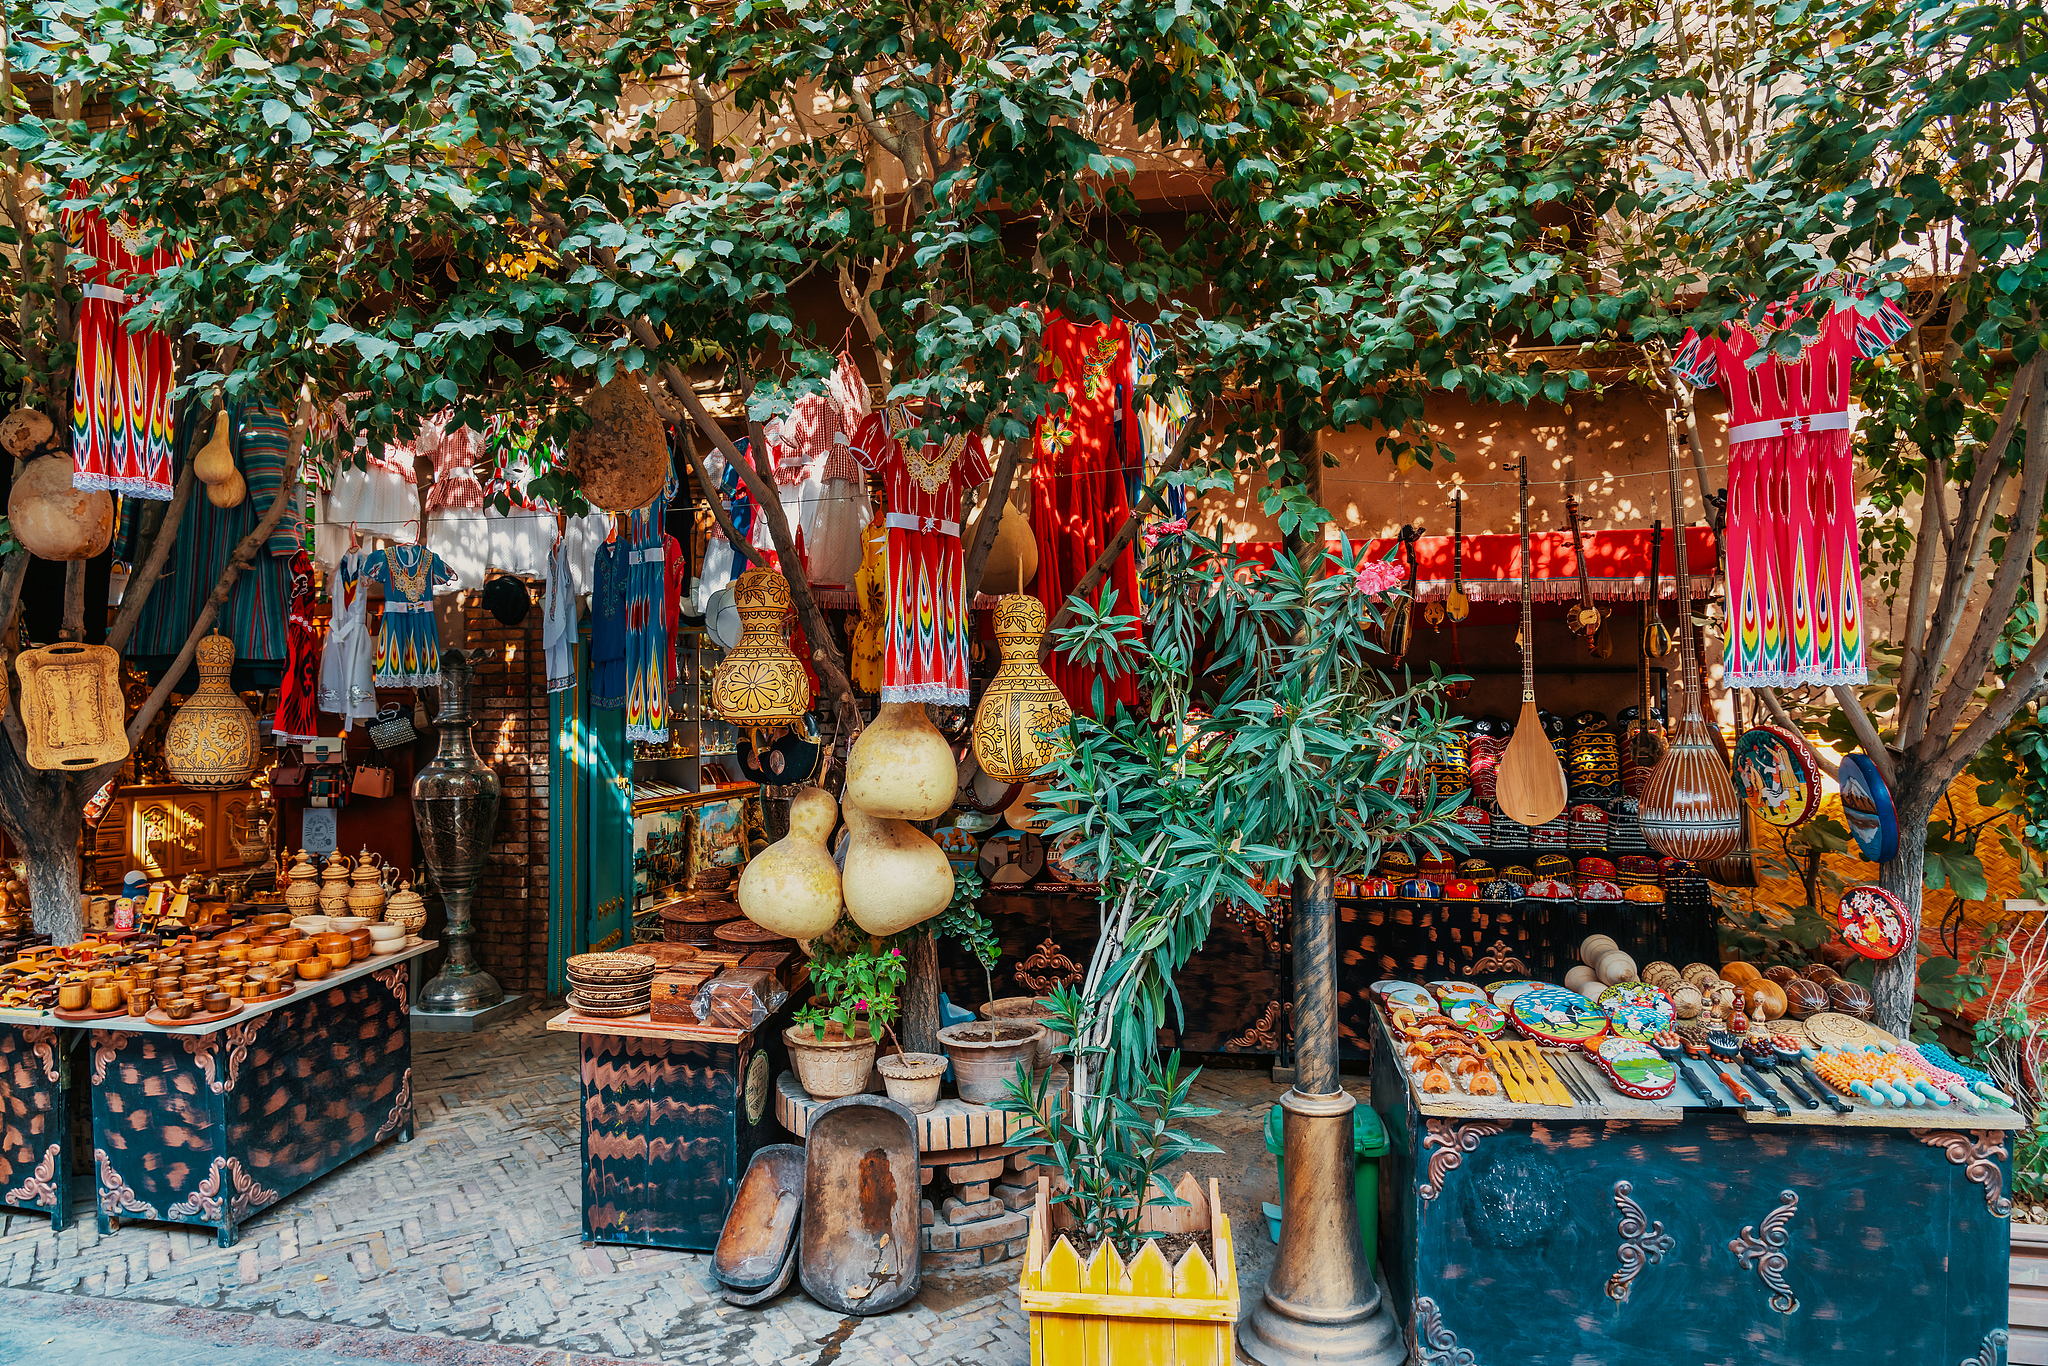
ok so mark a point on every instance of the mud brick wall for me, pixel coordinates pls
(514, 738)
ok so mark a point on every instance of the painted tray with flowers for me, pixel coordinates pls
(1554, 1015)
(1873, 922)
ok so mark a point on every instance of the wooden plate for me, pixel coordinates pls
(1777, 775)
(1832, 1030)
(606, 1012)
(157, 1017)
(82, 1016)
(274, 996)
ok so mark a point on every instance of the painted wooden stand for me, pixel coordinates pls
(211, 1124)
(672, 1114)
(1692, 1235)
(35, 1125)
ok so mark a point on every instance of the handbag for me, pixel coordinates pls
(392, 729)
(373, 780)
(288, 778)
(328, 787)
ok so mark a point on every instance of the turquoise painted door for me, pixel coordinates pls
(567, 822)
(608, 846)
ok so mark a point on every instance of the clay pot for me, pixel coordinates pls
(912, 1079)
(1026, 1010)
(792, 886)
(895, 876)
(762, 682)
(211, 742)
(54, 520)
(901, 767)
(830, 1068)
(987, 1055)
(622, 456)
(1015, 726)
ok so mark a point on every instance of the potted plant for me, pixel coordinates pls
(1116, 1255)
(831, 1048)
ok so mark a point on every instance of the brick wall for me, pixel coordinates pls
(515, 739)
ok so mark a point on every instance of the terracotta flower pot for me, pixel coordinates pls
(830, 1068)
(1026, 1010)
(986, 1054)
(913, 1078)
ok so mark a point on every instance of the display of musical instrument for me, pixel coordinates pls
(1585, 618)
(1657, 640)
(1456, 605)
(1402, 628)
(1529, 783)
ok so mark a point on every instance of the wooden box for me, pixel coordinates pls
(674, 993)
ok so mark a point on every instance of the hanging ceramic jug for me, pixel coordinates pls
(211, 742)
(792, 886)
(302, 893)
(71, 706)
(901, 768)
(762, 682)
(1012, 561)
(1017, 726)
(622, 456)
(895, 876)
(54, 520)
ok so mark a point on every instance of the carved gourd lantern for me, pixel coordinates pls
(211, 742)
(1016, 728)
(761, 683)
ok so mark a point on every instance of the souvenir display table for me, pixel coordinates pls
(672, 1114)
(1665, 1232)
(207, 1124)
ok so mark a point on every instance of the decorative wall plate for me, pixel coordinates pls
(1867, 807)
(1503, 993)
(959, 843)
(1477, 1016)
(1398, 993)
(1450, 993)
(1777, 776)
(1556, 1016)
(1635, 1010)
(1012, 858)
(1072, 860)
(1634, 1068)
(1873, 922)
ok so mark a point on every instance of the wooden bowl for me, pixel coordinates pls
(273, 918)
(235, 953)
(329, 943)
(340, 958)
(295, 952)
(263, 953)
(359, 944)
(313, 969)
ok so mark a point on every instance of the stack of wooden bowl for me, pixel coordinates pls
(610, 984)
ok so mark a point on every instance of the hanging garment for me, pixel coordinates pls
(833, 528)
(254, 614)
(408, 642)
(796, 454)
(121, 381)
(1795, 595)
(1079, 498)
(675, 573)
(372, 504)
(345, 665)
(871, 598)
(457, 528)
(558, 621)
(608, 670)
(924, 656)
(522, 539)
(297, 702)
(647, 656)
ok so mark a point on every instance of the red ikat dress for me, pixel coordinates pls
(924, 645)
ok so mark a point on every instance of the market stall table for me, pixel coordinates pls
(207, 1124)
(1653, 1233)
(672, 1114)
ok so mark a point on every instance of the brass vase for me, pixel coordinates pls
(1017, 727)
(761, 683)
(211, 742)
(455, 807)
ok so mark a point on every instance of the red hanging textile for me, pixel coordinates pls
(1079, 494)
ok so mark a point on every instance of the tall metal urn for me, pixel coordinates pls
(455, 805)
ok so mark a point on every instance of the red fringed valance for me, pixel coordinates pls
(1617, 565)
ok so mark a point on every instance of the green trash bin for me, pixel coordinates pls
(1368, 1146)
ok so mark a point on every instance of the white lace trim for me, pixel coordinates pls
(133, 488)
(1792, 678)
(936, 693)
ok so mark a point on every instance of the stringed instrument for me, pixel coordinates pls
(1657, 640)
(1404, 625)
(1529, 782)
(1585, 618)
(1690, 808)
(1456, 605)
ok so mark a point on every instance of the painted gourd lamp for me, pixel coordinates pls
(1690, 808)
(1017, 728)
(761, 683)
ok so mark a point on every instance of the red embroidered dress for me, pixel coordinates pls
(924, 647)
(121, 384)
(1794, 570)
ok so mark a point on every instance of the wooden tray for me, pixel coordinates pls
(86, 1016)
(266, 1000)
(157, 1017)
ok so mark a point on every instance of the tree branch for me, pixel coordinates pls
(718, 512)
(992, 513)
(1784, 718)
(72, 622)
(13, 573)
(1873, 744)
(1998, 713)
(1915, 633)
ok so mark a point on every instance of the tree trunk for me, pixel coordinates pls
(1905, 878)
(43, 814)
(920, 1023)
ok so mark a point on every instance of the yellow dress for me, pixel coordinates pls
(871, 596)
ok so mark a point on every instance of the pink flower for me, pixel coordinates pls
(861, 1004)
(895, 953)
(1377, 576)
(1159, 531)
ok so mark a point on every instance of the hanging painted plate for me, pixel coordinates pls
(1554, 1015)
(1867, 807)
(1635, 1069)
(1072, 860)
(1635, 1010)
(975, 822)
(1504, 993)
(1398, 993)
(1477, 1016)
(1777, 776)
(1450, 993)
(1873, 922)
(960, 845)
(1011, 859)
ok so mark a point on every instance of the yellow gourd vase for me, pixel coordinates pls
(762, 682)
(901, 768)
(211, 742)
(1017, 727)
(895, 876)
(792, 886)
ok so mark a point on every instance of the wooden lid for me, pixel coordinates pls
(746, 934)
(695, 912)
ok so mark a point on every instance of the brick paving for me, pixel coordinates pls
(473, 1232)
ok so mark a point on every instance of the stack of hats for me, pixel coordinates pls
(1518, 875)
(1636, 870)
(1452, 770)
(1557, 732)
(1396, 865)
(1685, 888)
(610, 984)
(1625, 828)
(1557, 866)
(1501, 890)
(1595, 880)
(1477, 870)
(1478, 821)
(1554, 833)
(1592, 761)
(1586, 826)
(1489, 740)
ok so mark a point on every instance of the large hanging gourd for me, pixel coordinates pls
(54, 520)
(792, 886)
(1529, 782)
(1690, 808)
(1012, 561)
(895, 876)
(901, 768)
(1017, 725)
(214, 463)
(622, 456)
(762, 682)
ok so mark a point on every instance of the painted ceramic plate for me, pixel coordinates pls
(1072, 859)
(1477, 1016)
(1503, 993)
(1396, 993)
(1635, 1010)
(1873, 922)
(1554, 1015)
(1635, 1069)
(960, 845)
(1867, 807)
(1011, 859)
(1777, 776)
(1450, 993)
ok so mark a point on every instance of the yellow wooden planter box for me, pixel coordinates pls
(1104, 1313)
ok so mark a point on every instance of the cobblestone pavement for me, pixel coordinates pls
(472, 1233)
